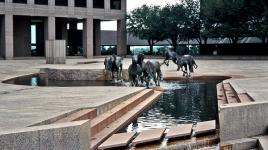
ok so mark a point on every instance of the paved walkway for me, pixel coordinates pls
(21, 106)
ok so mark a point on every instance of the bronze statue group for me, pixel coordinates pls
(140, 71)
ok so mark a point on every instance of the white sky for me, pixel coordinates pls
(132, 4)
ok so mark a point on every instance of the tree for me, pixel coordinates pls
(173, 18)
(229, 18)
(145, 23)
(193, 22)
(258, 18)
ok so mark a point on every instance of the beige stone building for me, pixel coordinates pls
(25, 25)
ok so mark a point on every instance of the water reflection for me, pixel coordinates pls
(37, 80)
(182, 102)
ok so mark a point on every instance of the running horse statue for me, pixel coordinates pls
(135, 71)
(114, 64)
(170, 55)
(152, 69)
(187, 63)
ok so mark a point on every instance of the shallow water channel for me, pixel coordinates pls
(182, 102)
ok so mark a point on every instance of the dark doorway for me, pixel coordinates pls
(2, 42)
(37, 37)
(75, 38)
(22, 36)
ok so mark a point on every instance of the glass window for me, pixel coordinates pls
(80, 3)
(41, 2)
(98, 3)
(61, 2)
(116, 4)
(2, 0)
(20, 1)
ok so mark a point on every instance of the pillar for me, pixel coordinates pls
(50, 28)
(121, 37)
(107, 5)
(8, 37)
(97, 37)
(124, 5)
(51, 2)
(71, 3)
(89, 3)
(88, 44)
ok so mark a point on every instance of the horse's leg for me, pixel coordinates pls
(113, 75)
(121, 72)
(188, 70)
(155, 81)
(159, 77)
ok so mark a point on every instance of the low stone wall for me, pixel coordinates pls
(67, 136)
(243, 120)
(79, 74)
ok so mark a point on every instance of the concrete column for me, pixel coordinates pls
(89, 3)
(124, 5)
(121, 37)
(88, 37)
(30, 2)
(71, 3)
(97, 37)
(51, 2)
(8, 37)
(50, 28)
(50, 34)
(107, 5)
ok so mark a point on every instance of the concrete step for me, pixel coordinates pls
(125, 119)
(244, 98)
(221, 95)
(205, 127)
(117, 140)
(183, 130)
(79, 115)
(149, 136)
(103, 120)
(230, 93)
(263, 142)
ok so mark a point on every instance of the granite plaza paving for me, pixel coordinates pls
(22, 106)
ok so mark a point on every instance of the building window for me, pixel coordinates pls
(98, 3)
(80, 3)
(20, 1)
(41, 2)
(116, 4)
(61, 2)
(2, 0)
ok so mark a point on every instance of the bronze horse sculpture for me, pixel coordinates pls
(135, 70)
(187, 63)
(170, 55)
(152, 69)
(114, 64)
